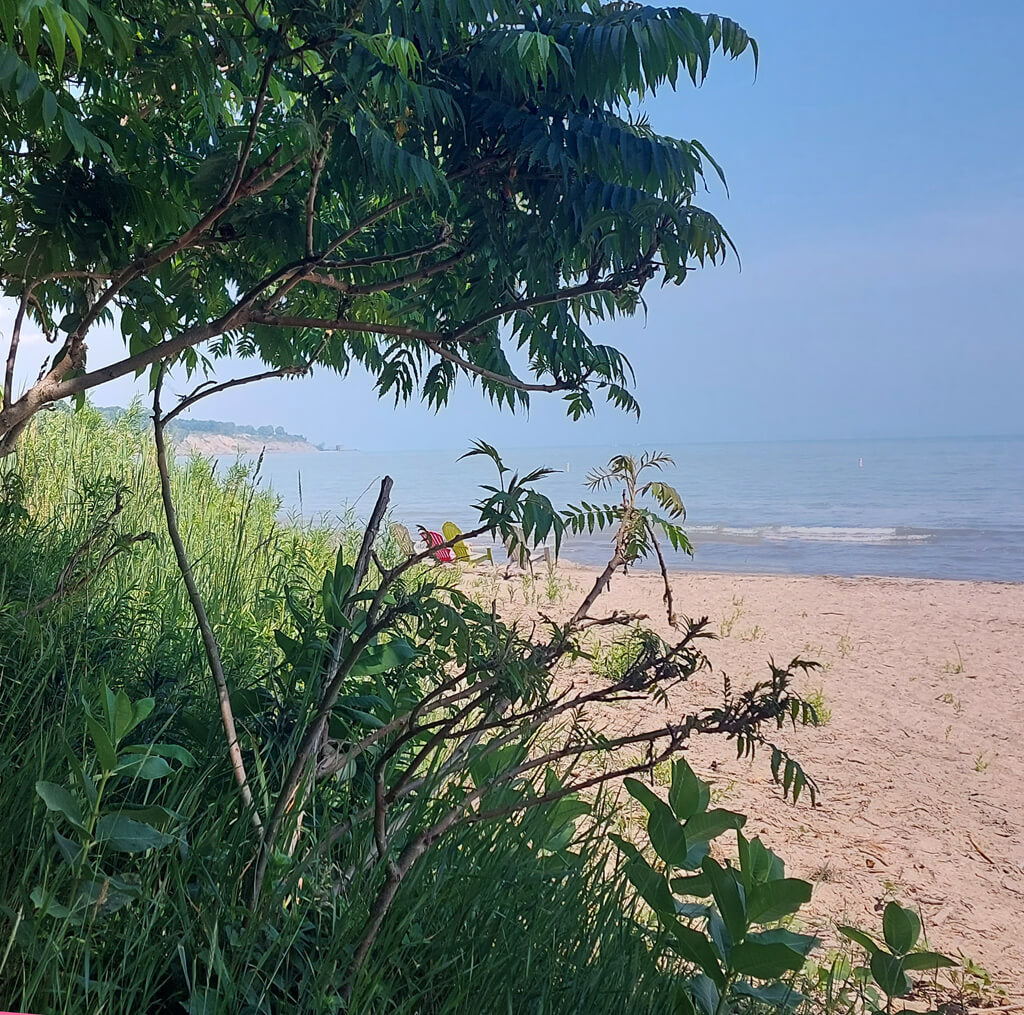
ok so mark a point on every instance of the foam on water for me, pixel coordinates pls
(882, 536)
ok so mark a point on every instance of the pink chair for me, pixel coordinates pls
(444, 555)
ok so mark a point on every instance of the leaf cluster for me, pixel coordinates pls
(450, 189)
(731, 940)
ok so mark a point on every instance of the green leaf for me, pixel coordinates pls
(758, 863)
(684, 794)
(141, 711)
(54, 909)
(698, 885)
(800, 943)
(859, 937)
(693, 946)
(728, 897)
(73, 129)
(708, 826)
(123, 715)
(900, 927)
(666, 834)
(889, 975)
(382, 658)
(52, 15)
(143, 766)
(764, 961)
(104, 748)
(173, 751)
(774, 900)
(928, 960)
(57, 798)
(126, 835)
(49, 107)
(71, 850)
(780, 996)
(705, 992)
(651, 886)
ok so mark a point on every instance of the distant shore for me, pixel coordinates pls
(919, 765)
(238, 444)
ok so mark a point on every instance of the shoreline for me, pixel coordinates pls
(919, 765)
(674, 573)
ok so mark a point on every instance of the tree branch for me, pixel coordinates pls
(199, 609)
(389, 284)
(12, 352)
(572, 292)
(337, 670)
(203, 391)
(506, 379)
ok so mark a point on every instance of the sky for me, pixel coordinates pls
(876, 195)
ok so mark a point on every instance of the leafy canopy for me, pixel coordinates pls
(430, 190)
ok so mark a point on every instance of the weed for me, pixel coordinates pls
(845, 646)
(723, 792)
(958, 666)
(816, 699)
(728, 621)
(950, 699)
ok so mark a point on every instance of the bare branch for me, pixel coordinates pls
(199, 609)
(338, 669)
(316, 168)
(339, 324)
(507, 379)
(377, 259)
(205, 390)
(12, 352)
(667, 594)
(611, 284)
(390, 284)
(400, 202)
(254, 122)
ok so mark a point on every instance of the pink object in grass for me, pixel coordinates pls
(444, 555)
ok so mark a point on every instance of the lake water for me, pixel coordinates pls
(918, 508)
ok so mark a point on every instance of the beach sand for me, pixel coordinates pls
(920, 766)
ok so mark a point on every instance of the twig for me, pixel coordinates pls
(981, 852)
(12, 353)
(198, 608)
(667, 595)
(338, 669)
(316, 168)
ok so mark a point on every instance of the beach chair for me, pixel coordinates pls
(443, 554)
(403, 539)
(463, 554)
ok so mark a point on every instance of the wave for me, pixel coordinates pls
(877, 536)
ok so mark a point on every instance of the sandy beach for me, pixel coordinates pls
(920, 764)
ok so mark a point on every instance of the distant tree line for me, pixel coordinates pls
(184, 427)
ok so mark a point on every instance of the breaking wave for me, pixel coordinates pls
(881, 536)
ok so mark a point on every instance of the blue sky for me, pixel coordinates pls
(876, 172)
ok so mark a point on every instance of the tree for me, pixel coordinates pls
(433, 190)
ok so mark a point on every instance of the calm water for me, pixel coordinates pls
(923, 508)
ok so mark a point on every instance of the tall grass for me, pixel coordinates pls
(485, 925)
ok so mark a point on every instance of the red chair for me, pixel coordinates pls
(443, 555)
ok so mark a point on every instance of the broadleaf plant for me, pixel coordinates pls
(98, 810)
(731, 939)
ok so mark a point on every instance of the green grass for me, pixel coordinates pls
(486, 924)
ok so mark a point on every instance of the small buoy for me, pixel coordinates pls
(861, 463)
